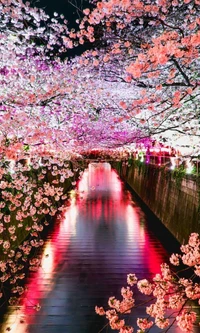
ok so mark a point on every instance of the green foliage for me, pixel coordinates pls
(140, 165)
(8, 178)
(178, 174)
(5, 210)
(7, 142)
(4, 164)
(26, 147)
(130, 162)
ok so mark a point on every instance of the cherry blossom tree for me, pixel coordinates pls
(139, 81)
(169, 296)
(152, 46)
(44, 99)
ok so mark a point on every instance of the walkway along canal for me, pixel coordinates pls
(102, 236)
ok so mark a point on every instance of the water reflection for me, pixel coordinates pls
(101, 237)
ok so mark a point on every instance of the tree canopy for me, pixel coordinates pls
(138, 78)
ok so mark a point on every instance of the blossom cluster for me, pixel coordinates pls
(170, 295)
(33, 190)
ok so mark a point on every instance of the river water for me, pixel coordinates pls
(103, 235)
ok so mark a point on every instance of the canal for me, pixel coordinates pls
(102, 235)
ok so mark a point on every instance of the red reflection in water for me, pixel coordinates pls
(101, 188)
(40, 283)
(101, 198)
(52, 256)
(154, 258)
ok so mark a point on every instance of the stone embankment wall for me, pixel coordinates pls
(172, 197)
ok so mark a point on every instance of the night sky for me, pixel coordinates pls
(63, 7)
(71, 14)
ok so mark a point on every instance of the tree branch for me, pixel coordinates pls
(181, 71)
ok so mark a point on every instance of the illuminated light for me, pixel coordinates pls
(142, 158)
(173, 163)
(47, 261)
(12, 166)
(72, 194)
(159, 160)
(70, 218)
(189, 167)
(14, 324)
(147, 159)
(132, 221)
(83, 184)
(28, 161)
(164, 149)
(154, 150)
(40, 162)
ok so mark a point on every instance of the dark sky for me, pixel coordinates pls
(71, 14)
(63, 7)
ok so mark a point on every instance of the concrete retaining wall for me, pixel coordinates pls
(175, 201)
